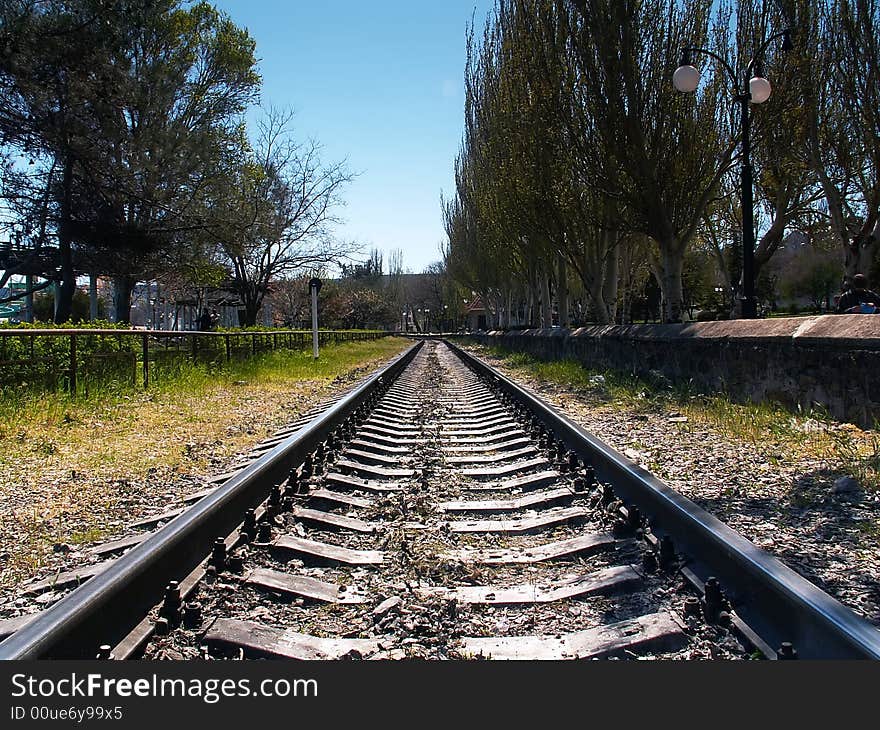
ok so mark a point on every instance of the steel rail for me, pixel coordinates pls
(775, 601)
(106, 607)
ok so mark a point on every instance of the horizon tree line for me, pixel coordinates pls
(581, 166)
(124, 150)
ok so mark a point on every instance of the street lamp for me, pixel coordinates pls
(755, 90)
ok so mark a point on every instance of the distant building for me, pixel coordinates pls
(476, 314)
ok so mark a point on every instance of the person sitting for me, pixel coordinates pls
(858, 299)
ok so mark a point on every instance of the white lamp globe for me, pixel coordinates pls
(760, 89)
(686, 79)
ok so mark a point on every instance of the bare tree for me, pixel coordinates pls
(281, 208)
(844, 45)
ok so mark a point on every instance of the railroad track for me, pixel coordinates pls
(439, 511)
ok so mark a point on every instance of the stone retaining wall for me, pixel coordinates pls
(831, 362)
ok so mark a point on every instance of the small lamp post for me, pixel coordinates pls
(719, 295)
(755, 90)
(314, 287)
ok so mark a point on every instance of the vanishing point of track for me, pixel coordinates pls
(439, 511)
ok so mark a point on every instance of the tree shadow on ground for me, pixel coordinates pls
(832, 540)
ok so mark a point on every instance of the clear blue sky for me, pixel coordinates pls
(381, 84)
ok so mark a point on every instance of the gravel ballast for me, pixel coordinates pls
(820, 522)
(62, 497)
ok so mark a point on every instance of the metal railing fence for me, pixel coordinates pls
(80, 359)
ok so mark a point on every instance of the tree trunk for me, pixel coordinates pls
(93, 297)
(772, 239)
(562, 291)
(123, 286)
(671, 265)
(611, 277)
(600, 309)
(251, 309)
(624, 314)
(67, 285)
(251, 299)
(546, 309)
(859, 253)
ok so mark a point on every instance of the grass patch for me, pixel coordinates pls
(277, 369)
(92, 534)
(74, 466)
(572, 374)
(115, 427)
(769, 428)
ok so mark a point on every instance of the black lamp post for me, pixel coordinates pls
(755, 90)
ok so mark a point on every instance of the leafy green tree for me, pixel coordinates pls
(54, 70)
(189, 75)
(625, 54)
(575, 142)
(125, 106)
